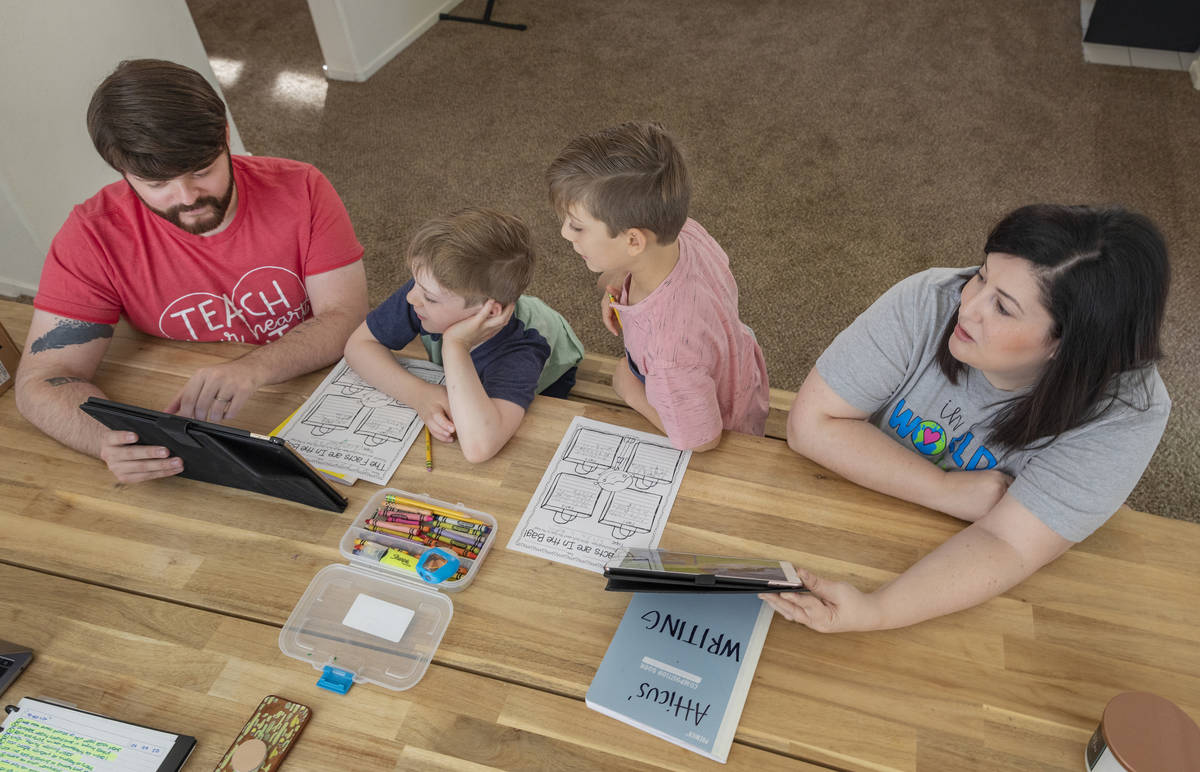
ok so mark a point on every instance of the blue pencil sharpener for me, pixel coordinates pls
(437, 565)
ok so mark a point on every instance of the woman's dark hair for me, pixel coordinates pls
(1104, 277)
(156, 119)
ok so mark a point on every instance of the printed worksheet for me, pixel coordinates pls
(607, 487)
(350, 430)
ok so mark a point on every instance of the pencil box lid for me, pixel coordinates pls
(356, 626)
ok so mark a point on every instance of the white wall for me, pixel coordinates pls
(359, 36)
(20, 257)
(53, 54)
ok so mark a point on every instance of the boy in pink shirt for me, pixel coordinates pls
(691, 367)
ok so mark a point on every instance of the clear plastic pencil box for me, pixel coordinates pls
(371, 622)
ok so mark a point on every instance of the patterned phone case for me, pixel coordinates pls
(276, 723)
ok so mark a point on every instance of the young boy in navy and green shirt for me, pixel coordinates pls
(498, 347)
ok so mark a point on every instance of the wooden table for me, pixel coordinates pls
(208, 575)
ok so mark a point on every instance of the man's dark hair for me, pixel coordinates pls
(1104, 276)
(156, 119)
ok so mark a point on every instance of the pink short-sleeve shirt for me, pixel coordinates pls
(703, 368)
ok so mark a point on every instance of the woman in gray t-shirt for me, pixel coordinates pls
(1030, 384)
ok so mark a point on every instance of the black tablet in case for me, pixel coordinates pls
(642, 569)
(224, 455)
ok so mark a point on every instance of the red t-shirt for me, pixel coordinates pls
(114, 256)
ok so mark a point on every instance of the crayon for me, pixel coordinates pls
(387, 516)
(458, 548)
(462, 550)
(416, 536)
(445, 521)
(426, 541)
(467, 540)
(394, 522)
(398, 525)
(397, 529)
(453, 524)
(475, 541)
(466, 522)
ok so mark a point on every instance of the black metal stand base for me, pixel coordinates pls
(486, 20)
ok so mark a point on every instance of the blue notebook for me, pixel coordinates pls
(680, 666)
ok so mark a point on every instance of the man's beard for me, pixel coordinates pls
(198, 227)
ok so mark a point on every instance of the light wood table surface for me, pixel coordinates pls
(1017, 683)
(202, 673)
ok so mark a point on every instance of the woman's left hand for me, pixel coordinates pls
(828, 607)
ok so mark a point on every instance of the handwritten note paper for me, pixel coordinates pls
(44, 736)
(607, 487)
(352, 429)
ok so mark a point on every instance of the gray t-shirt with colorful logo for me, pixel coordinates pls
(884, 363)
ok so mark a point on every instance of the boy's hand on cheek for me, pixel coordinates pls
(478, 327)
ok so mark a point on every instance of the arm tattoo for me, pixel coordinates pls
(70, 332)
(61, 379)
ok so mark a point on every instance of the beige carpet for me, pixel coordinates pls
(835, 147)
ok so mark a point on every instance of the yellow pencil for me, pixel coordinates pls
(613, 301)
(428, 451)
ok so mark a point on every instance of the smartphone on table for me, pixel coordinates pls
(267, 736)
